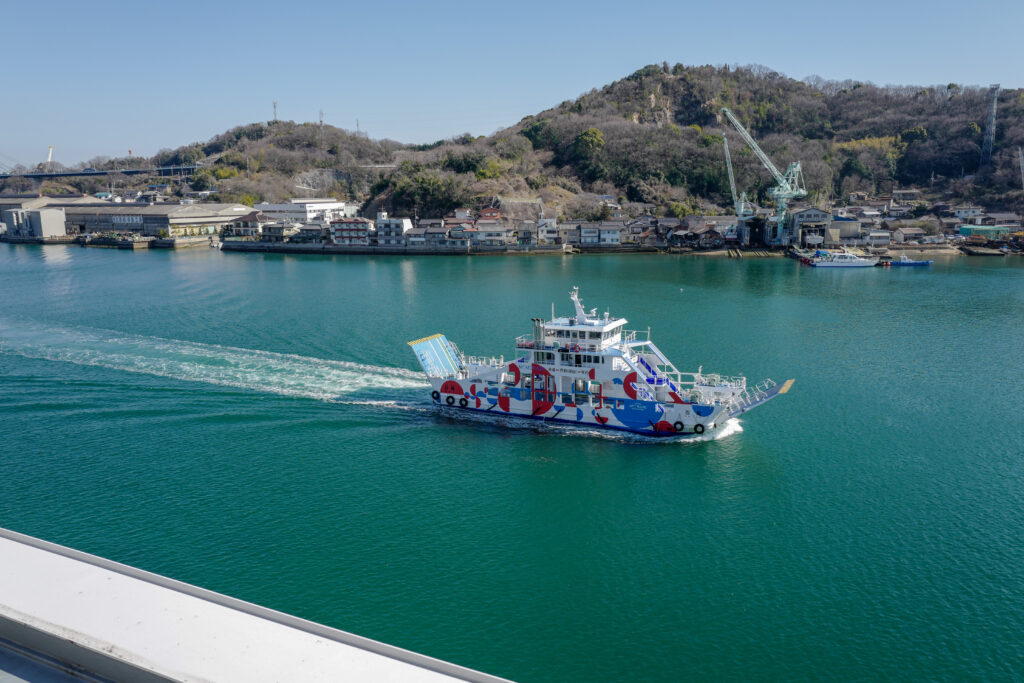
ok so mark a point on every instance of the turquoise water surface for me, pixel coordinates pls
(254, 424)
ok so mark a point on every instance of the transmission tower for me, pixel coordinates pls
(990, 127)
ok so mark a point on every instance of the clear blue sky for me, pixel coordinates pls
(100, 78)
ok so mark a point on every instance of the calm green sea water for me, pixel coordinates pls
(252, 424)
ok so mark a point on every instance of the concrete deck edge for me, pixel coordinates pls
(45, 641)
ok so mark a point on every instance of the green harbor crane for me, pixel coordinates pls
(788, 185)
(743, 208)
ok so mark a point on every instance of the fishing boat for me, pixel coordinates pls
(587, 369)
(904, 260)
(843, 259)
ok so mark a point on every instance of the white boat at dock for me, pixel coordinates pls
(843, 259)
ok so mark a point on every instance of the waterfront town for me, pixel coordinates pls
(147, 219)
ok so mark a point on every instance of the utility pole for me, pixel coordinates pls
(275, 111)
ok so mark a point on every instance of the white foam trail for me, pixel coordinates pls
(278, 373)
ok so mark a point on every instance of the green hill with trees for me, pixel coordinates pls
(651, 140)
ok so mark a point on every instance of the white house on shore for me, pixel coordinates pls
(391, 231)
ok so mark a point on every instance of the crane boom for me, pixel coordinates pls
(779, 178)
(732, 179)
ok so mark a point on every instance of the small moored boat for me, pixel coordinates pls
(843, 259)
(904, 260)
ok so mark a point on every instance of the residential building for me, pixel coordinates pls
(464, 214)
(309, 209)
(547, 231)
(610, 234)
(967, 211)
(427, 223)
(490, 214)
(878, 238)
(1011, 220)
(569, 233)
(462, 235)
(437, 236)
(280, 231)
(526, 233)
(493, 233)
(249, 226)
(311, 233)
(909, 195)
(417, 237)
(908, 234)
(590, 234)
(391, 231)
(351, 231)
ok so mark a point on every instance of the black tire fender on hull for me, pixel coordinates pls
(436, 395)
(450, 400)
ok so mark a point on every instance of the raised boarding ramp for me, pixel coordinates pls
(438, 356)
(760, 394)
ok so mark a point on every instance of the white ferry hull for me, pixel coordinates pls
(651, 418)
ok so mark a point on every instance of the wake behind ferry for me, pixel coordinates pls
(586, 369)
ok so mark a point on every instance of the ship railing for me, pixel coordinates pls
(636, 335)
(752, 396)
(486, 361)
(719, 380)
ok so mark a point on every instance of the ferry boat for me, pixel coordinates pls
(586, 369)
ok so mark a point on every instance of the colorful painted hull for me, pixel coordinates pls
(651, 418)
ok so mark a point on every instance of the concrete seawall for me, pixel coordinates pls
(289, 248)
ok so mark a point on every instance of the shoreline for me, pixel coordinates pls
(477, 250)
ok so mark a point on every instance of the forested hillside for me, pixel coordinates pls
(652, 138)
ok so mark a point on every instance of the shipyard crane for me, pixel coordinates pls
(788, 185)
(741, 205)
